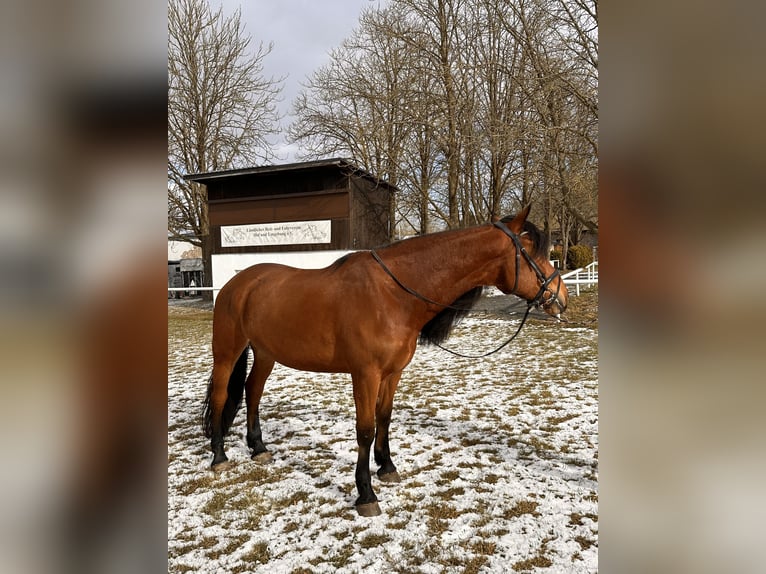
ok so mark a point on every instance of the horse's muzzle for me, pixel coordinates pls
(555, 306)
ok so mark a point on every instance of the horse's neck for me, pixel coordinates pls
(447, 264)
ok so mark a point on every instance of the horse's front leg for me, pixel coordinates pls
(365, 396)
(387, 471)
(262, 367)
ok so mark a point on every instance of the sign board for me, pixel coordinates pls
(286, 233)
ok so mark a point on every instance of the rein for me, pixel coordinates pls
(492, 352)
(535, 302)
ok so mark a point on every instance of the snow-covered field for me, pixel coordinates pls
(498, 459)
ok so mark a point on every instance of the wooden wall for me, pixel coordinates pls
(356, 206)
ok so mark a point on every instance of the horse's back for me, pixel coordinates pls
(259, 273)
(291, 292)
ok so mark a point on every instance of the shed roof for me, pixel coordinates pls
(339, 163)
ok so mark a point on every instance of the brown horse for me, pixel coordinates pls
(363, 315)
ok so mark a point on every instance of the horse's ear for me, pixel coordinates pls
(494, 219)
(518, 222)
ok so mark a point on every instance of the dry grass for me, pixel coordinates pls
(481, 447)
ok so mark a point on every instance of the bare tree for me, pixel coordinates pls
(472, 107)
(438, 41)
(356, 105)
(221, 110)
(560, 59)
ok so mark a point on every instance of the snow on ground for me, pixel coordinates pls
(498, 459)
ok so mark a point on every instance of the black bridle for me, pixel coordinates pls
(537, 301)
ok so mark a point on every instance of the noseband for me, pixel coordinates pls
(539, 299)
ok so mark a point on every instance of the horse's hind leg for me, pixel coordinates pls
(383, 409)
(223, 398)
(227, 382)
(262, 366)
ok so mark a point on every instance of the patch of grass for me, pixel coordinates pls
(192, 485)
(439, 515)
(450, 493)
(520, 508)
(340, 558)
(336, 512)
(465, 441)
(537, 446)
(292, 500)
(235, 543)
(492, 454)
(216, 504)
(483, 548)
(536, 562)
(290, 527)
(451, 559)
(321, 500)
(584, 543)
(432, 551)
(582, 310)
(483, 520)
(441, 511)
(178, 550)
(433, 465)
(450, 475)
(258, 554)
(473, 566)
(228, 548)
(373, 540)
(575, 518)
(556, 421)
(402, 525)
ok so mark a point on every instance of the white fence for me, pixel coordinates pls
(585, 276)
(193, 291)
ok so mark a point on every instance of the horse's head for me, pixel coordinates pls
(527, 271)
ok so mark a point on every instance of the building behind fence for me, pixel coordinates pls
(301, 214)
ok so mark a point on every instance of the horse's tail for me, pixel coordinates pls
(235, 391)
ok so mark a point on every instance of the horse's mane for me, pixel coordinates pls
(439, 328)
(540, 242)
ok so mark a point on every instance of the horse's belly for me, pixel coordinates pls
(304, 351)
(332, 353)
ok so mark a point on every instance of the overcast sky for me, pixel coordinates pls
(303, 32)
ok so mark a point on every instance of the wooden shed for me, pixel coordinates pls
(303, 214)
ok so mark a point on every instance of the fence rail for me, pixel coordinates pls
(191, 291)
(585, 276)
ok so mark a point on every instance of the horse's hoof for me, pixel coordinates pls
(390, 477)
(263, 458)
(369, 509)
(222, 466)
